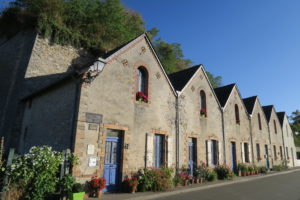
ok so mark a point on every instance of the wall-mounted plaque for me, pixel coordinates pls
(93, 118)
(92, 162)
(90, 149)
(93, 126)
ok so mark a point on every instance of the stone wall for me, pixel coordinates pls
(276, 138)
(15, 53)
(192, 125)
(260, 137)
(113, 96)
(289, 143)
(238, 133)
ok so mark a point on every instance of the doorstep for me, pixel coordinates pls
(190, 188)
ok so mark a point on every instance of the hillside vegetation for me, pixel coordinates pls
(96, 25)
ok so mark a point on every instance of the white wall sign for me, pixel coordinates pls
(92, 162)
(90, 149)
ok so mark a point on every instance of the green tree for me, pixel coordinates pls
(295, 125)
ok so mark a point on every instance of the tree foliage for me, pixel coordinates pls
(92, 24)
(97, 25)
(295, 125)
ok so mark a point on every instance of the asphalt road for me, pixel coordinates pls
(280, 187)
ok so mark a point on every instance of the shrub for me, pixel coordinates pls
(224, 172)
(277, 168)
(263, 170)
(155, 179)
(66, 184)
(35, 173)
(242, 167)
(77, 187)
(211, 175)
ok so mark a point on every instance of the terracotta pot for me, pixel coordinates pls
(186, 182)
(133, 189)
(244, 173)
(99, 194)
(196, 180)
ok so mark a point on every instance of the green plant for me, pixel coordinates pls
(224, 172)
(35, 173)
(67, 183)
(250, 168)
(263, 170)
(77, 187)
(211, 175)
(277, 168)
(242, 167)
(255, 168)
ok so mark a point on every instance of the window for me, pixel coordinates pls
(159, 150)
(275, 153)
(142, 85)
(212, 152)
(203, 109)
(237, 114)
(275, 127)
(298, 155)
(281, 155)
(258, 152)
(287, 153)
(246, 152)
(259, 121)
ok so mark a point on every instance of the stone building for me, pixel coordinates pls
(288, 139)
(259, 132)
(199, 114)
(275, 131)
(122, 112)
(236, 126)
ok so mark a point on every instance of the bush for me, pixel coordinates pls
(155, 179)
(277, 168)
(263, 170)
(77, 187)
(243, 167)
(224, 172)
(211, 175)
(35, 173)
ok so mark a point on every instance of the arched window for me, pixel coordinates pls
(237, 114)
(275, 128)
(142, 84)
(259, 121)
(203, 109)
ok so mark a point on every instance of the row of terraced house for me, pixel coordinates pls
(122, 112)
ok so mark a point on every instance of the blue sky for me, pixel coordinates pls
(255, 44)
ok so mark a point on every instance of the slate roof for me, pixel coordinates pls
(249, 103)
(181, 78)
(268, 111)
(281, 117)
(223, 93)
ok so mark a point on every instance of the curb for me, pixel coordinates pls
(165, 194)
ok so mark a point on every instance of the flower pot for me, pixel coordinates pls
(186, 182)
(196, 180)
(77, 196)
(244, 173)
(133, 189)
(99, 194)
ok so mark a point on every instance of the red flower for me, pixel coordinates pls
(98, 183)
(141, 96)
(203, 111)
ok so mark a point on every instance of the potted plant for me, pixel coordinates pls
(77, 192)
(97, 184)
(251, 170)
(243, 168)
(141, 97)
(133, 183)
(203, 112)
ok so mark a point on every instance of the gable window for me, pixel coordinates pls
(203, 109)
(275, 128)
(259, 121)
(237, 114)
(258, 152)
(142, 84)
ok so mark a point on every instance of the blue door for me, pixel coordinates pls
(267, 156)
(192, 155)
(233, 157)
(159, 150)
(112, 163)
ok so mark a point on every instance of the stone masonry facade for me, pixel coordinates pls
(53, 98)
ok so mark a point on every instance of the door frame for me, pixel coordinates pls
(233, 161)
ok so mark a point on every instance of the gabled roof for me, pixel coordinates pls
(223, 93)
(249, 103)
(281, 117)
(181, 78)
(268, 111)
